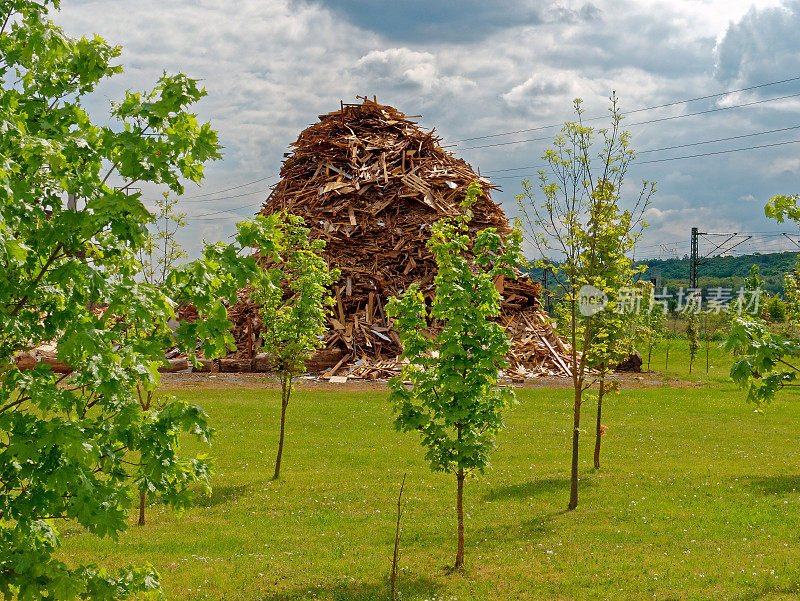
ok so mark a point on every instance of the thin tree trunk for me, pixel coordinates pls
(145, 403)
(393, 578)
(599, 432)
(576, 422)
(649, 353)
(666, 362)
(460, 511)
(284, 404)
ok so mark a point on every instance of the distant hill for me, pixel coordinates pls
(726, 272)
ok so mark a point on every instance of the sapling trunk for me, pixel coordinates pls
(142, 502)
(144, 402)
(691, 335)
(599, 432)
(576, 423)
(286, 388)
(460, 511)
(649, 352)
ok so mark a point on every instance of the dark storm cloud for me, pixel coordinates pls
(458, 21)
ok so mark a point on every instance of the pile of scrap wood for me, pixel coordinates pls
(370, 183)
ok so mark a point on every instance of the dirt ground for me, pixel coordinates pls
(222, 381)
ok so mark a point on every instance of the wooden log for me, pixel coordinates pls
(262, 363)
(206, 366)
(55, 365)
(324, 358)
(235, 365)
(26, 361)
(178, 364)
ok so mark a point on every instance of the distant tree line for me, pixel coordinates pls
(725, 272)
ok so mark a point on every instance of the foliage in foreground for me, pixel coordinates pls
(770, 361)
(79, 447)
(454, 399)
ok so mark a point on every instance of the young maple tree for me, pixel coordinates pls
(455, 399)
(653, 321)
(613, 343)
(580, 220)
(693, 336)
(162, 252)
(158, 256)
(295, 303)
(209, 284)
(79, 446)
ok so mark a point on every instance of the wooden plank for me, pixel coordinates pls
(499, 283)
(340, 305)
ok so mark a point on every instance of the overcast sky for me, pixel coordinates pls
(475, 68)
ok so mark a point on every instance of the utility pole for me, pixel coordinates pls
(731, 241)
(693, 260)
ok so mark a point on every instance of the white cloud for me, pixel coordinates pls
(784, 166)
(272, 66)
(761, 46)
(401, 67)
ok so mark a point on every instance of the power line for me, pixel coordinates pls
(691, 156)
(258, 204)
(518, 168)
(229, 197)
(656, 120)
(759, 133)
(707, 154)
(649, 108)
(256, 181)
(202, 197)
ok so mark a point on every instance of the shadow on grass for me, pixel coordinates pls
(768, 592)
(532, 488)
(499, 535)
(407, 586)
(220, 495)
(774, 485)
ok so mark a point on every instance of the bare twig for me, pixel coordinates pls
(393, 579)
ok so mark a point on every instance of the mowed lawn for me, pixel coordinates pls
(698, 498)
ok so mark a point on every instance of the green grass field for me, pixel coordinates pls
(698, 498)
